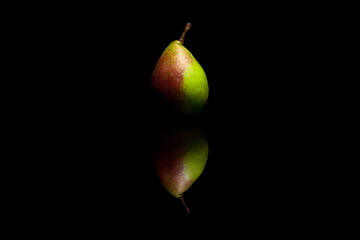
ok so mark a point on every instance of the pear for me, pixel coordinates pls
(179, 158)
(179, 79)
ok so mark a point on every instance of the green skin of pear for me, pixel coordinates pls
(180, 80)
(180, 159)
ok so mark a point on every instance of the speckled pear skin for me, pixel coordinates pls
(179, 158)
(180, 80)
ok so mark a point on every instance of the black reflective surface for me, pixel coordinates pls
(99, 121)
(253, 173)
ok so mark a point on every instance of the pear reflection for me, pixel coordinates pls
(179, 157)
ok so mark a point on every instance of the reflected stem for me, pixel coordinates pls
(187, 209)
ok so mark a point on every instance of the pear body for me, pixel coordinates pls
(179, 158)
(180, 81)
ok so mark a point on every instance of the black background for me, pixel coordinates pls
(92, 68)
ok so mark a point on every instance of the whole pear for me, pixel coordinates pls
(179, 158)
(179, 79)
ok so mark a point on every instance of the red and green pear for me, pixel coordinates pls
(179, 79)
(179, 157)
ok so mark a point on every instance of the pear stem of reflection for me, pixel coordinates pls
(184, 203)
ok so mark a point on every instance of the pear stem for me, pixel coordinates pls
(187, 209)
(187, 28)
